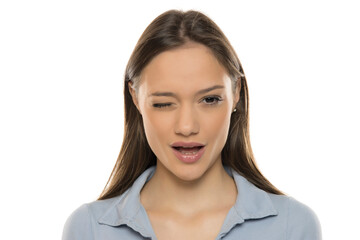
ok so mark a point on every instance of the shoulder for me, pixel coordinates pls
(83, 221)
(300, 220)
(78, 224)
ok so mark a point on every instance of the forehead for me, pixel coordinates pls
(191, 66)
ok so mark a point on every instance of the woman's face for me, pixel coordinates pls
(185, 96)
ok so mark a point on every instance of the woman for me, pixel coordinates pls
(186, 169)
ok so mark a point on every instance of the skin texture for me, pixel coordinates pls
(182, 200)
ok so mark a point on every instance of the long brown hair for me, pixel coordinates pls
(172, 29)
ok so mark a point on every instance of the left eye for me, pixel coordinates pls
(212, 100)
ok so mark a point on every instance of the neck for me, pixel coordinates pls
(165, 191)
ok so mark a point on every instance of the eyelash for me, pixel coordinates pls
(163, 105)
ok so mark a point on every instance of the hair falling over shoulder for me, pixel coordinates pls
(170, 30)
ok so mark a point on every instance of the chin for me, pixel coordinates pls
(186, 172)
(190, 172)
(189, 177)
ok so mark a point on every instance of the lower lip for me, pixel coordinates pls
(189, 158)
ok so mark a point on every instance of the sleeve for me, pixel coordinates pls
(78, 225)
(303, 224)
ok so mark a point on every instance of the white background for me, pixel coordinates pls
(61, 102)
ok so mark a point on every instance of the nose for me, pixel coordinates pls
(187, 122)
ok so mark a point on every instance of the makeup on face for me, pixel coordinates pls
(186, 101)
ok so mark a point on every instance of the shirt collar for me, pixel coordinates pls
(127, 209)
(251, 203)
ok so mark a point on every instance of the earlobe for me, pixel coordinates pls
(133, 95)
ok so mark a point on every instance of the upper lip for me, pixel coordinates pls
(187, 144)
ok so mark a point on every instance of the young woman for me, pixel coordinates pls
(186, 169)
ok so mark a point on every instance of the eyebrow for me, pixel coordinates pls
(170, 94)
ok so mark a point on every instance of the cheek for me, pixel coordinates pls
(157, 128)
(216, 126)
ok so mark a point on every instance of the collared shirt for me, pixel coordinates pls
(256, 214)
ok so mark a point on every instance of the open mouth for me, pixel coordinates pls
(188, 150)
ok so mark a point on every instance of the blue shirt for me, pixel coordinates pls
(255, 215)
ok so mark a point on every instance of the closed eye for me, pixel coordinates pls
(161, 105)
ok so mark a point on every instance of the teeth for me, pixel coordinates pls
(188, 153)
(188, 150)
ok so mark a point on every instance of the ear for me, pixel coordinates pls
(133, 95)
(237, 92)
